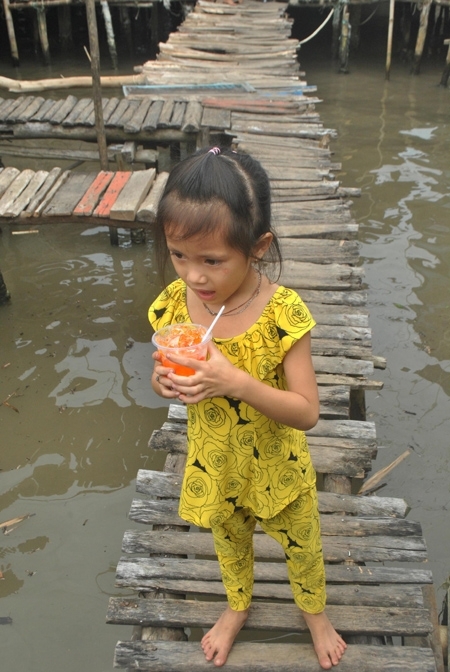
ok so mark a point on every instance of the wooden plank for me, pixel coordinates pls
(109, 109)
(150, 122)
(63, 111)
(6, 178)
(66, 198)
(149, 206)
(128, 113)
(90, 119)
(14, 104)
(393, 621)
(72, 118)
(118, 112)
(53, 111)
(42, 192)
(166, 113)
(13, 116)
(92, 196)
(32, 108)
(132, 195)
(40, 114)
(320, 251)
(175, 656)
(177, 117)
(27, 194)
(133, 125)
(14, 190)
(216, 118)
(193, 117)
(115, 186)
(300, 275)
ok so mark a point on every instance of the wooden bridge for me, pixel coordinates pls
(384, 608)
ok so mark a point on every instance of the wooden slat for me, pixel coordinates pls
(119, 180)
(63, 111)
(150, 122)
(193, 117)
(148, 207)
(216, 118)
(66, 198)
(161, 656)
(118, 112)
(133, 125)
(132, 195)
(72, 118)
(92, 196)
(42, 192)
(7, 176)
(14, 190)
(20, 203)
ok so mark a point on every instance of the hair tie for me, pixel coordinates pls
(214, 150)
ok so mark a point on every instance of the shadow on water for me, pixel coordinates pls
(75, 362)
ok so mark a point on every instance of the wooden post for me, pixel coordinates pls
(43, 34)
(355, 20)
(4, 294)
(126, 25)
(344, 46)
(109, 33)
(446, 73)
(390, 34)
(336, 29)
(11, 33)
(421, 35)
(97, 93)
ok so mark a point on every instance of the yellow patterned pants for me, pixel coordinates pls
(297, 529)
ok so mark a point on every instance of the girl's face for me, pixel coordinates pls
(215, 272)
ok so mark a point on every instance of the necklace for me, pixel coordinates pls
(243, 306)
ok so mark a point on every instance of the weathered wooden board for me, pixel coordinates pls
(150, 122)
(320, 251)
(133, 125)
(72, 118)
(70, 193)
(88, 203)
(115, 186)
(63, 111)
(132, 195)
(42, 192)
(161, 656)
(193, 117)
(268, 616)
(41, 112)
(20, 203)
(300, 275)
(14, 190)
(216, 118)
(148, 208)
(7, 176)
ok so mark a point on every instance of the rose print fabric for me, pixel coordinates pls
(237, 457)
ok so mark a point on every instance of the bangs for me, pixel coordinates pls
(183, 219)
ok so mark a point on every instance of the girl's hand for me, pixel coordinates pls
(161, 384)
(215, 377)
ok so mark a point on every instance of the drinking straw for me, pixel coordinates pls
(213, 323)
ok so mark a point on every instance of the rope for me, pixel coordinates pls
(369, 17)
(318, 29)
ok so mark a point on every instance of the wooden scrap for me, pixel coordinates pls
(147, 211)
(20, 203)
(116, 185)
(66, 198)
(132, 195)
(14, 521)
(6, 177)
(376, 478)
(92, 196)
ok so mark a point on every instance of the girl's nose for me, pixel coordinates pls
(196, 276)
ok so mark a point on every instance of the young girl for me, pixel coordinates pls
(251, 401)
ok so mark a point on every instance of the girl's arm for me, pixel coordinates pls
(298, 406)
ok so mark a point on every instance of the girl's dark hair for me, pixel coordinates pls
(201, 194)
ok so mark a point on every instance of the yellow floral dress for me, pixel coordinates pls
(238, 457)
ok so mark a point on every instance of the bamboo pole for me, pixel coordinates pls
(421, 35)
(43, 34)
(344, 46)
(11, 33)
(109, 33)
(390, 34)
(22, 86)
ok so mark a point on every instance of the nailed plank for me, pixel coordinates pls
(6, 178)
(118, 112)
(109, 109)
(175, 656)
(62, 112)
(150, 122)
(66, 198)
(115, 186)
(132, 195)
(193, 117)
(20, 203)
(92, 196)
(72, 118)
(133, 125)
(31, 109)
(149, 206)
(14, 190)
(42, 192)
(268, 616)
(41, 113)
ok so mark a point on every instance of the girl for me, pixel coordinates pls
(251, 401)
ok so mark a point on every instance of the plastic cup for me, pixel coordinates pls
(184, 340)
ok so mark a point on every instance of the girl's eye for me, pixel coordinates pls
(178, 255)
(212, 262)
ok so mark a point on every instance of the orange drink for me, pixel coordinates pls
(183, 339)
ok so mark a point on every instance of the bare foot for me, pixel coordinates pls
(329, 646)
(217, 642)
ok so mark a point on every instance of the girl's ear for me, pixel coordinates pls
(262, 245)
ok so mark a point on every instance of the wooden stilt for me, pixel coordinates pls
(43, 35)
(11, 33)
(421, 35)
(405, 24)
(355, 20)
(344, 45)
(126, 24)
(65, 27)
(97, 95)
(446, 73)
(389, 41)
(109, 33)
(4, 294)
(336, 31)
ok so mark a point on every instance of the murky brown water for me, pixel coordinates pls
(75, 355)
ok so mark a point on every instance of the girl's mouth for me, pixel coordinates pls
(205, 296)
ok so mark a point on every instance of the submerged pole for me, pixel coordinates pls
(390, 34)
(109, 33)
(43, 34)
(421, 35)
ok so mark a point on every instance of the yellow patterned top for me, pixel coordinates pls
(238, 457)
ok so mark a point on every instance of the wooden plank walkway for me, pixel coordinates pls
(174, 574)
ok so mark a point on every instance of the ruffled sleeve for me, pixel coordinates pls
(169, 307)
